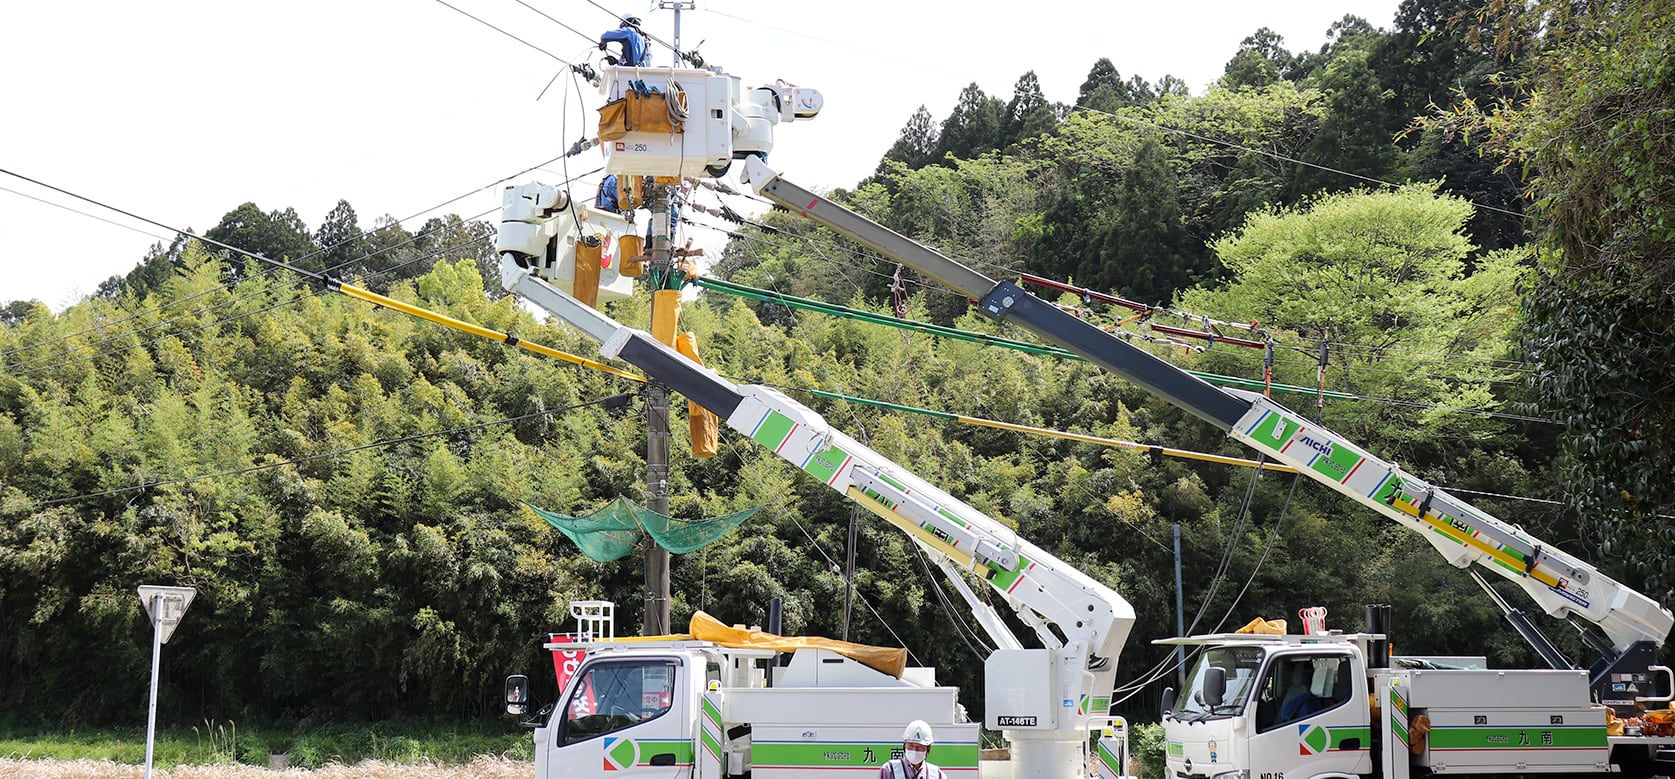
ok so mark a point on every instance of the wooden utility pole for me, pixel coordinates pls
(659, 265)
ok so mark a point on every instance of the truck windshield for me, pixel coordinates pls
(1240, 663)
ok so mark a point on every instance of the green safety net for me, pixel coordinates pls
(615, 530)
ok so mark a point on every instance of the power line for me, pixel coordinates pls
(206, 309)
(1489, 363)
(623, 20)
(787, 301)
(584, 36)
(218, 322)
(561, 60)
(273, 269)
(779, 503)
(84, 213)
(271, 465)
(316, 252)
(1270, 154)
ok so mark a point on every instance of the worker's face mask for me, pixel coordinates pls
(915, 756)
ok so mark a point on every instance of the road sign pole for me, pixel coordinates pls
(165, 606)
(156, 665)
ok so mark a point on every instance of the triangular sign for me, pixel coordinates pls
(165, 606)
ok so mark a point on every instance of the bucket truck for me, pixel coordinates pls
(1483, 722)
(691, 706)
(697, 706)
(1368, 720)
(1486, 720)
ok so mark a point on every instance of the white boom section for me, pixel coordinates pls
(1043, 590)
(1561, 584)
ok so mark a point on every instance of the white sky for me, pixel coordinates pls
(180, 110)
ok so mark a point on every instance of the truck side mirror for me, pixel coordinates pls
(1168, 700)
(1215, 686)
(517, 694)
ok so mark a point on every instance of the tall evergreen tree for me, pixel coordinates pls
(976, 125)
(916, 144)
(339, 240)
(1147, 254)
(1261, 60)
(1028, 114)
(277, 235)
(1357, 134)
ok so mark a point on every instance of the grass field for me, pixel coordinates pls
(224, 750)
(479, 768)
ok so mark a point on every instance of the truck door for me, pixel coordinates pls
(623, 718)
(1309, 719)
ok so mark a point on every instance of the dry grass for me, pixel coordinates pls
(479, 768)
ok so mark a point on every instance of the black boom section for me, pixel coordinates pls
(666, 365)
(1009, 302)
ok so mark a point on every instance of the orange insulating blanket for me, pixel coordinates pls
(586, 286)
(1419, 733)
(707, 628)
(705, 428)
(631, 255)
(665, 315)
(1267, 627)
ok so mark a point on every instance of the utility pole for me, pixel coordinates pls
(849, 569)
(659, 269)
(1180, 614)
(659, 266)
(677, 6)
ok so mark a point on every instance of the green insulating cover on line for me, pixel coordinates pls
(614, 530)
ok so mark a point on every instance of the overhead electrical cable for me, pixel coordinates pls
(786, 301)
(32, 365)
(84, 213)
(507, 34)
(326, 282)
(779, 503)
(792, 301)
(201, 327)
(150, 485)
(1043, 431)
(751, 240)
(624, 20)
(583, 35)
(363, 235)
(1269, 154)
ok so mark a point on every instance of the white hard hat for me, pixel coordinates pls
(919, 732)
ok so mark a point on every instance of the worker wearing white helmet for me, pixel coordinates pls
(916, 743)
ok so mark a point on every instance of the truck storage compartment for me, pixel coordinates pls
(1505, 721)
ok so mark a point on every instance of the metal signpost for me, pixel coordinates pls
(165, 606)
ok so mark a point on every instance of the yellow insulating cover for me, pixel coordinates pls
(1266, 627)
(587, 272)
(665, 315)
(667, 181)
(882, 659)
(630, 251)
(631, 192)
(706, 429)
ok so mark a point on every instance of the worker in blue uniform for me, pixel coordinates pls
(634, 50)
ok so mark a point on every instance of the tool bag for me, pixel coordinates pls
(640, 111)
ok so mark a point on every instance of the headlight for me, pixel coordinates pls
(1243, 773)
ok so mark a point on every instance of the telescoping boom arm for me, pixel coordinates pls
(1563, 585)
(1046, 593)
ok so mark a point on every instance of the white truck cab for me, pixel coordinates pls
(1310, 707)
(1272, 707)
(680, 707)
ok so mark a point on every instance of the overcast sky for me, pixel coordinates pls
(180, 110)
